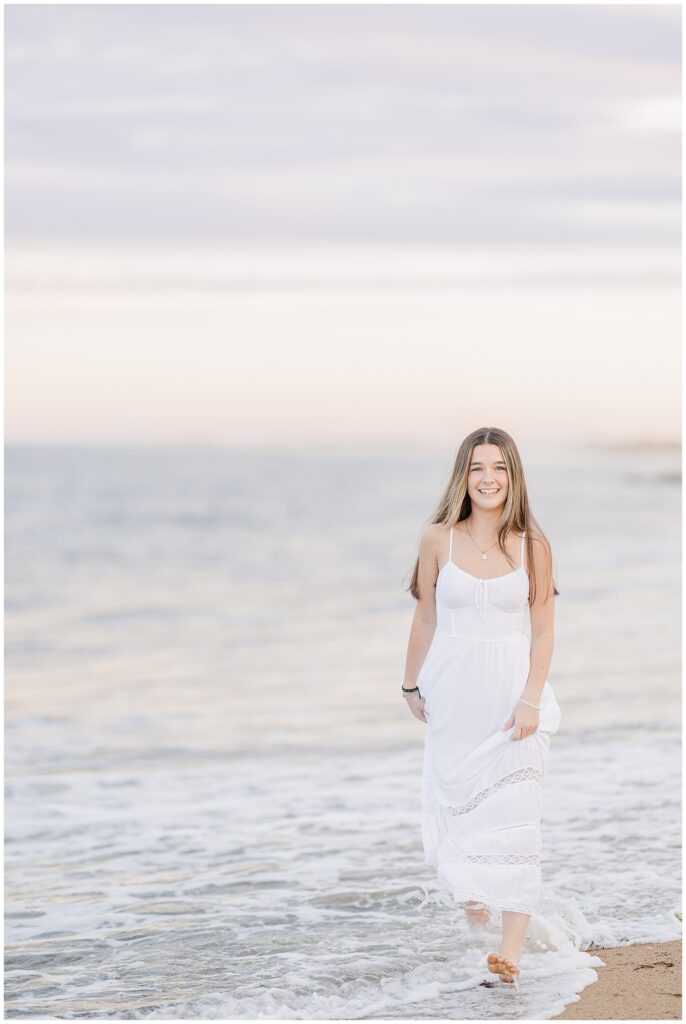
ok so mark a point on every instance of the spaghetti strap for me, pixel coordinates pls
(450, 548)
(521, 553)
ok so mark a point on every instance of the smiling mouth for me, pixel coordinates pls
(495, 490)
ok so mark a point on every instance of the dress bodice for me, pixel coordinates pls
(481, 608)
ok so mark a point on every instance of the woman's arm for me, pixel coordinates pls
(424, 619)
(524, 719)
(542, 624)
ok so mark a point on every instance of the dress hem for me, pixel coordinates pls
(493, 904)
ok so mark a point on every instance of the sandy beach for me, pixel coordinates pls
(639, 982)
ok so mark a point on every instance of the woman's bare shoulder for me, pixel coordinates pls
(433, 535)
(540, 542)
(434, 531)
(433, 538)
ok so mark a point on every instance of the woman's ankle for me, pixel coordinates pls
(510, 951)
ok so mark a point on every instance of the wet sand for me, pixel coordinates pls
(640, 982)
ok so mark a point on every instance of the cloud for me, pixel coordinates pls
(455, 122)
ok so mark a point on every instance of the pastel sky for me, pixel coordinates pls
(460, 123)
(363, 206)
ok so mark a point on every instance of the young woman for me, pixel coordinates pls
(479, 651)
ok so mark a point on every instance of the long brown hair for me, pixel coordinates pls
(455, 503)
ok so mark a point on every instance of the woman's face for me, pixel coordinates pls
(487, 482)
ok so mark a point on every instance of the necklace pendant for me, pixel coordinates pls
(484, 555)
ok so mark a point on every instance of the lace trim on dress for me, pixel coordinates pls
(494, 903)
(500, 858)
(521, 775)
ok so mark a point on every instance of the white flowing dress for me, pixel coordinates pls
(482, 791)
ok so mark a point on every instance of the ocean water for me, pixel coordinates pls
(212, 784)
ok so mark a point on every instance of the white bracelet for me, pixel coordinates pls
(536, 707)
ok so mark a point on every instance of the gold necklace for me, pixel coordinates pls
(483, 553)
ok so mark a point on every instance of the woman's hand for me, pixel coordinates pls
(525, 721)
(416, 706)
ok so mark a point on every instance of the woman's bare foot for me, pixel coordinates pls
(477, 914)
(507, 969)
